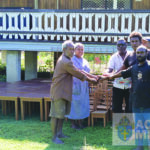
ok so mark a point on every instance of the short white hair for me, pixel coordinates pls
(78, 44)
(66, 44)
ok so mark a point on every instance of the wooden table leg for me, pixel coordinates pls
(89, 120)
(92, 119)
(16, 109)
(45, 103)
(22, 110)
(104, 121)
(41, 110)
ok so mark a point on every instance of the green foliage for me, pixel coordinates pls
(2, 72)
(97, 62)
(45, 61)
(2, 67)
(31, 134)
(2, 78)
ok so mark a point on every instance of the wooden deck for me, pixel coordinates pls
(25, 91)
(36, 88)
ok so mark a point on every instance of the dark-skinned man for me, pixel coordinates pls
(120, 86)
(139, 96)
(61, 89)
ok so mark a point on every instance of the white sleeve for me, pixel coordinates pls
(111, 63)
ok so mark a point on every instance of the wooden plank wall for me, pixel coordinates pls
(17, 3)
(143, 4)
(47, 4)
(62, 4)
(42, 4)
(70, 4)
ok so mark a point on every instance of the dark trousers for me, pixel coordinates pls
(117, 100)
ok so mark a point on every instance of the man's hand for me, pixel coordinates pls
(102, 78)
(110, 77)
(92, 80)
(107, 74)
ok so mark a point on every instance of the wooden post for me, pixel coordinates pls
(57, 4)
(36, 6)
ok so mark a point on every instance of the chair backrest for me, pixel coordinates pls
(101, 94)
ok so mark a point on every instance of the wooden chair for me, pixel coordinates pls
(4, 106)
(30, 99)
(46, 108)
(92, 88)
(102, 102)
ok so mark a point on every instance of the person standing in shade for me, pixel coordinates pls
(61, 90)
(80, 107)
(120, 86)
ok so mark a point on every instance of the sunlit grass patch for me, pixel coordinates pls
(11, 144)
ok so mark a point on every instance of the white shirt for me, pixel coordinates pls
(116, 63)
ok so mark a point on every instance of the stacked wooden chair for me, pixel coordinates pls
(100, 101)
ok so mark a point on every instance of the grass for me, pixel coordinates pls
(31, 134)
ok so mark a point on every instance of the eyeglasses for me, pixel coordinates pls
(119, 45)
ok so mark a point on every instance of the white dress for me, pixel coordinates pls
(80, 107)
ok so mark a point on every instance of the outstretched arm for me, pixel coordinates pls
(90, 75)
(122, 68)
(110, 77)
(116, 75)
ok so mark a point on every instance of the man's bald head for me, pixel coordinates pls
(141, 53)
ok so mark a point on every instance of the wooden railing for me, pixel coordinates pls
(81, 25)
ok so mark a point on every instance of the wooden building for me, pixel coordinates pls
(42, 25)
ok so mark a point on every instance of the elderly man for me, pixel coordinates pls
(61, 89)
(140, 97)
(120, 86)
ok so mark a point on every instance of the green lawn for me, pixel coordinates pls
(31, 134)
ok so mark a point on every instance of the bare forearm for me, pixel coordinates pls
(121, 68)
(116, 75)
(88, 74)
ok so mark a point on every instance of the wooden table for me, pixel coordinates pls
(31, 90)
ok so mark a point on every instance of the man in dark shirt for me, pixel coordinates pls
(135, 41)
(140, 97)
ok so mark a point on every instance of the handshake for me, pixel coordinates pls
(99, 78)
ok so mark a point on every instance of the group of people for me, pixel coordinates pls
(135, 71)
(69, 89)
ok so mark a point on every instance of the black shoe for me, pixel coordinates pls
(75, 127)
(82, 126)
(63, 136)
(57, 141)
